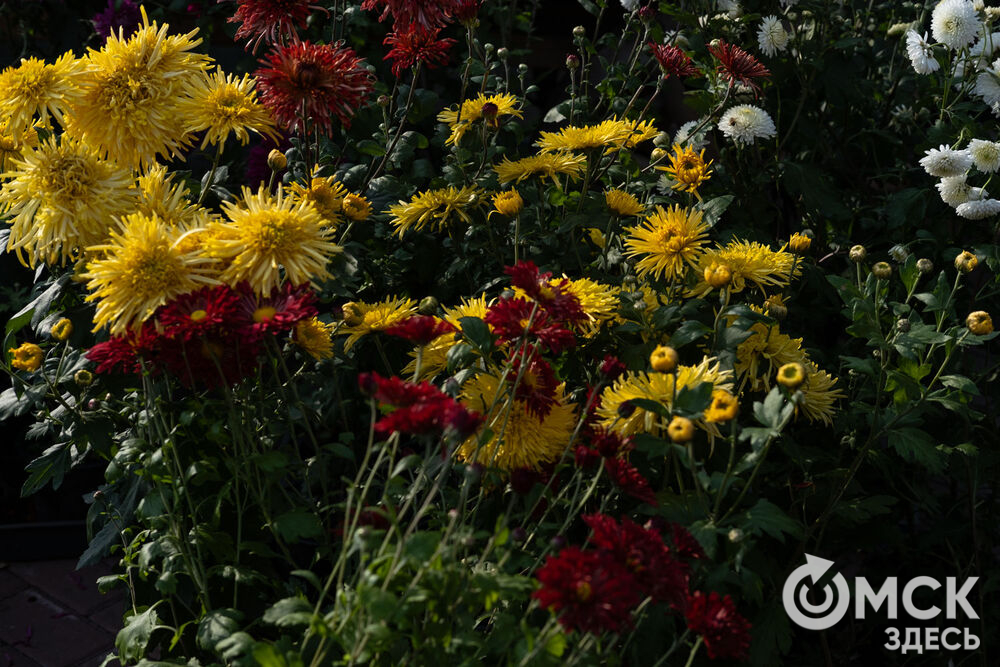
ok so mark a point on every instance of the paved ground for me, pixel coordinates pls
(52, 615)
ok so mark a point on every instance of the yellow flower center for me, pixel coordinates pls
(70, 176)
(7, 144)
(273, 232)
(31, 81)
(153, 269)
(264, 313)
(124, 93)
(583, 591)
(198, 315)
(230, 103)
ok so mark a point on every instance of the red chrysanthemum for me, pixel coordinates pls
(421, 408)
(115, 355)
(513, 318)
(312, 81)
(586, 456)
(642, 551)
(426, 14)
(200, 313)
(420, 329)
(554, 296)
(611, 368)
(416, 45)
(589, 590)
(630, 480)
(738, 66)
(725, 632)
(275, 314)
(537, 386)
(673, 61)
(271, 21)
(609, 443)
(466, 11)
(215, 359)
(685, 544)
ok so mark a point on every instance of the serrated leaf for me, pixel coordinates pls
(688, 332)
(713, 209)
(477, 332)
(296, 525)
(216, 626)
(691, 402)
(914, 444)
(766, 517)
(289, 612)
(132, 639)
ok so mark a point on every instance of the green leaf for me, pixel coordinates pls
(773, 410)
(296, 525)
(477, 332)
(382, 605)
(649, 405)
(961, 383)
(289, 612)
(217, 625)
(691, 402)
(132, 639)
(52, 465)
(421, 546)
(914, 444)
(766, 517)
(690, 331)
(713, 209)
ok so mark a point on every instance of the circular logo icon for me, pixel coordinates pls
(797, 605)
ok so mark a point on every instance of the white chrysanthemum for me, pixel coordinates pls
(921, 53)
(986, 45)
(955, 23)
(898, 29)
(731, 8)
(988, 86)
(985, 155)
(955, 191)
(979, 209)
(771, 37)
(745, 123)
(629, 5)
(946, 161)
(684, 138)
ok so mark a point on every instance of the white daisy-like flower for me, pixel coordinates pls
(899, 253)
(684, 138)
(988, 86)
(629, 5)
(731, 8)
(921, 53)
(979, 209)
(745, 123)
(771, 36)
(986, 45)
(985, 155)
(955, 23)
(955, 191)
(946, 161)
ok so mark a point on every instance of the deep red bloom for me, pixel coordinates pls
(537, 386)
(611, 368)
(725, 631)
(115, 355)
(513, 318)
(420, 329)
(586, 457)
(272, 21)
(685, 545)
(589, 590)
(421, 408)
(466, 11)
(609, 443)
(554, 296)
(200, 313)
(312, 81)
(426, 14)
(212, 360)
(630, 480)
(642, 551)
(275, 314)
(738, 66)
(416, 45)
(673, 61)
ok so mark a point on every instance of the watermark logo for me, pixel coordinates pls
(836, 603)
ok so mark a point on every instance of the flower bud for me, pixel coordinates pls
(558, 542)
(83, 377)
(657, 154)
(503, 53)
(882, 270)
(775, 307)
(647, 13)
(799, 244)
(966, 262)
(979, 323)
(736, 535)
(276, 160)
(383, 100)
(489, 48)
(93, 404)
(680, 429)
(902, 325)
(518, 534)
(428, 306)
(718, 275)
(367, 384)
(351, 314)
(899, 253)
(858, 254)
(490, 111)
(579, 31)
(663, 359)
(791, 375)
(522, 70)
(925, 265)
(572, 61)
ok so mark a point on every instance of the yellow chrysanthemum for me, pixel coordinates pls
(131, 89)
(819, 394)
(366, 318)
(14, 141)
(141, 269)
(724, 407)
(688, 169)
(37, 88)
(667, 241)
(61, 198)
(62, 329)
(641, 130)
(436, 208)
(598, 301)
(749, 261)
(544, 165)
(434, 357)
(271, 239)
(508, 203)
(520, 439)
(356, 207)
(767, 346)
(657, 387)
(314, 337)
(26, 357)
(472, 111)
(326, 194)
(169, 201)
(612, 133)
(221, 104)
(622, 203)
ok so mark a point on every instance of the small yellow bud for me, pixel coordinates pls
(858, 254)
(718, 275)
(663, 359)
(352, 314)
(979, 323)
(799, 244)
(680, 429)
(882, 270)
(791, 375)
(62, 329)
(965, 262)
(276, 160)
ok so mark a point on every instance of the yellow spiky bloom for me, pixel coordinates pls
(819, 394)
(314, 337)
(61, 198)
(546, 165)
(688, 169)
(622, 203)
(169, 201)
(223, 105)
(269, 240)
(26, 357)
(35, 88)
(472, 111)
(434, 357)
(667, 242)
(14, 140)
(612, 133)
(520, 439)
(141, 267)
(749, 262)
(128, 108)
(436, 208)
(355, 207)
(641, 130)
(363, 318)
(325, 193)
(508, 203)
(657, 387)
(760, 355)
